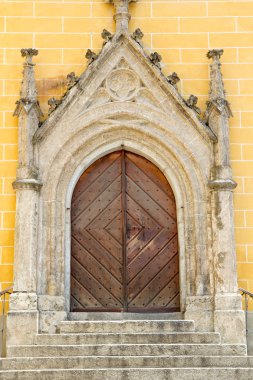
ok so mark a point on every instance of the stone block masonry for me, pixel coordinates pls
(181, 31)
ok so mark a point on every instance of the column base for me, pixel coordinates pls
(200, 309)
(231, 326)
(229, 318)
(51, 313)
(22, 327)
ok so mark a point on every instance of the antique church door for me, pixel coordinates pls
(124, 238)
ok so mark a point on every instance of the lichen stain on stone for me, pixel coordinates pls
(220, 225)
(49, 84)
(219, 265)
(221, 259)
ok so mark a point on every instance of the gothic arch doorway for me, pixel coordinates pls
(124, 243)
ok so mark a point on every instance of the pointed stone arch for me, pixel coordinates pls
(123, 98)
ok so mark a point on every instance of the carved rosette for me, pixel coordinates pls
(122, 84)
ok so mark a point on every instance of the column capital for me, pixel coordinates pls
(122, 15)
(27, 184)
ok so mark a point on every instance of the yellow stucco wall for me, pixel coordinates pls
(181, 31)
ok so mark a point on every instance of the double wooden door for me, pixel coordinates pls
(124, 238)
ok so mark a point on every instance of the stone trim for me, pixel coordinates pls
(124, 99)
(222, 184)
(27, 184)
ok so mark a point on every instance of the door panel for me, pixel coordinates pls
(152, 257)
(97, 259)
(124, 238)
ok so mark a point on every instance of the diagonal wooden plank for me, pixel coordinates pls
(82, 296)
(100, 253)
(175, 302)
(114, 228)
(100, 233)
(149, 229)
(100, 203)
(167, 294)
(147, 203)
(96, 268)
(146, 276)
(74, 304)
(152, 171)
(154, 286)
(141, 178)
(93, 172)
(133, 228)
(148, 254)
(93, 286)
(88, 196)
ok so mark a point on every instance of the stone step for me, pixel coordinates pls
(145, 326)
(126, 349)
(125, 362)
(132, 374)
(98, 316)
(139, 338)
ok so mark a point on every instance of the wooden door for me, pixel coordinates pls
(124, 238)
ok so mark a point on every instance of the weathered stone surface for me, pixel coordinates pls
(124, 101)
(22, 327)
(135, 374)
(49, 321)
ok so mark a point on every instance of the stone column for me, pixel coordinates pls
(228, 314)
(122, 16)
(22, 322)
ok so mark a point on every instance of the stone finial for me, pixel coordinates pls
(215, 53)
(192, 103)
(28, 92)
(156, 58)
(217, 96)
(107, 36)
(173, 79)
(122, 16)
(53, 104)
(91, 56)
(138, 35)
(28, 86)
(72, 79)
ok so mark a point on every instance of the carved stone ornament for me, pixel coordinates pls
(221, 104)
(192, 103)
(29, 53)
(122, 84)
(173, 79)
(28, 93)
(156, 58)
(215, 53)
(138, 35)
(91, 56)
(217, 97)
(53, 104)
(29, 184)
(27, 105)
(107, 36)
(222, 184)
(72, 79)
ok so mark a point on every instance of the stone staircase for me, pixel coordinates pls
(127, 349)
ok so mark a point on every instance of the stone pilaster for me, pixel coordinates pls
(228, 314)
(23, 316)
(122, 15)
